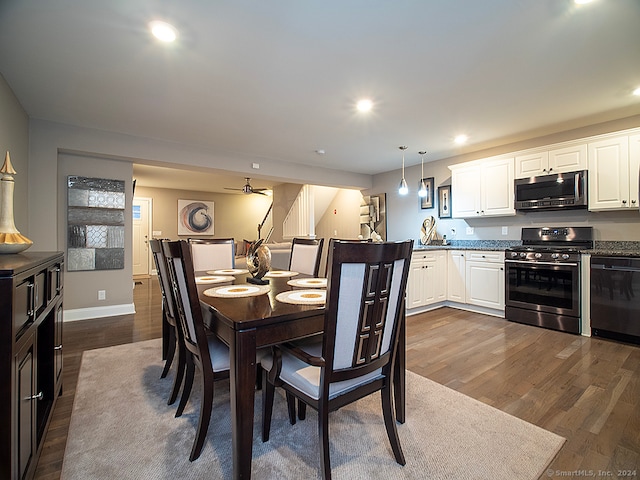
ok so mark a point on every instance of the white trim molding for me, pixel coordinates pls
(98, 312)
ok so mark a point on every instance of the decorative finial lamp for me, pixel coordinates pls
(11, 241)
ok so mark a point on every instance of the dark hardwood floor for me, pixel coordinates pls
(584, 389)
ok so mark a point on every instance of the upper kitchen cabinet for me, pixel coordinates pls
(483, 188)
(553, 159)
(613, 173)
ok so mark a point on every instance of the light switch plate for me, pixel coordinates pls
(505, 230)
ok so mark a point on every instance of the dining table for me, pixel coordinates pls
(249, 323)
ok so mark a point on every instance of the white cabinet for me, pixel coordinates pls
(427, 282)
(484, 279)
(613, 173)
(555, 159)
(456, 276)
(483, 188)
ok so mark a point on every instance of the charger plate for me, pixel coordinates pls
(231, 291)
(213, 279)
(308, 282)
(228, 271)
(303, 297)
(280, 273)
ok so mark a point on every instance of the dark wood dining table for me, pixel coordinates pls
(246, 324)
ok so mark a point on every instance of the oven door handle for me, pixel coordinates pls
(533, 264)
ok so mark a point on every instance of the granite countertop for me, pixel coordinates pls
(490, 245)
(615, 249)
(601, 247)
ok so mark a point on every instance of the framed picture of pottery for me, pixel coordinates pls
(444, 201)
(195, 217)
(427, 200)
(95, 223)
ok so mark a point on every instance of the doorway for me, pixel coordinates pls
(141, 229)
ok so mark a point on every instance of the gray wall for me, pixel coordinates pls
(234, 216)
(81, 288)
(405, 217)
(14, 137)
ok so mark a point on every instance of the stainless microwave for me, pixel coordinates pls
(552, 192)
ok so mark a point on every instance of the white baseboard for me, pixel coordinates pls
(459, 306)
(97, 312)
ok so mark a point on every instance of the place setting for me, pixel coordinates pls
(280, 274)
(303, 297)
(308, 282)
(232, 291)
(210, 279)
(228, 271)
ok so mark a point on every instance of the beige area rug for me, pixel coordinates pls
(121, 427)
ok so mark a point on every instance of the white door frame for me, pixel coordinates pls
(150, 264)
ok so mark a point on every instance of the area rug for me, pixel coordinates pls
(121, 427)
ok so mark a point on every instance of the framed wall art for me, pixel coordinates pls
(444, 201)
(195, 217)
(427, 200)
(95, 223)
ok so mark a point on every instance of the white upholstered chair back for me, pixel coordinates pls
(305, 256)
(212, 254)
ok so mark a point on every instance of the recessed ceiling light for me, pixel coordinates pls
(460, 139)
(364, 105)
(163, 31)
(636, 92)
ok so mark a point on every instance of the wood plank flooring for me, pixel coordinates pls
(584, 389)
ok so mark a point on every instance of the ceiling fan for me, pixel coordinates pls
(248, 189)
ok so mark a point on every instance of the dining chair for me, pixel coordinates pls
(175, 341)
(356, 355)
(203, 351)
(305, 255)
(212, 253)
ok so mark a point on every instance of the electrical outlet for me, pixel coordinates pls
(102, 294)
(469, 230)
(505, 230)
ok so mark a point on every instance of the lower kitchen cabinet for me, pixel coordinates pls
(427, 282)
(456, 272)
(484, 279)
(31, 291)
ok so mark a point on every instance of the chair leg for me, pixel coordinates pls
(323, 432)
(291, 407)
(390, 423)
(170, 352)
(302, 410)
(268, 392)
(188, 384)
(177, 381)
(205, 417)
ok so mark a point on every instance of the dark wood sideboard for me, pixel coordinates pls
(31, 292)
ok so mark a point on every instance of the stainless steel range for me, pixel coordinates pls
(543, 277)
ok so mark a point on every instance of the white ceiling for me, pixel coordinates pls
(279, 79)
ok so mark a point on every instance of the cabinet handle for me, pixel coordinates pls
(544, 170)
(58, 347)
(35, 397)
(32, 301)
(633, 201)
(624, 202)
(550, 169)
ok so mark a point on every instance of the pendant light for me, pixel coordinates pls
(422, 191)
(403, 189)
